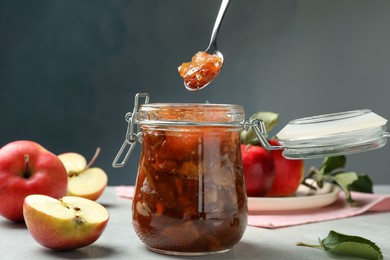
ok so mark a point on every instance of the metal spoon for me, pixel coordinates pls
(212, 48)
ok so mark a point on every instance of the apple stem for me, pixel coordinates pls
(309, 245)
(27, 172)
(92, 161)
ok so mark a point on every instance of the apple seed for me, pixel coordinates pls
(77, 218)
(75, 208)
(73, 173)
(63, 203)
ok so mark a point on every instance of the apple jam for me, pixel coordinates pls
(202, 69)
(190, 195)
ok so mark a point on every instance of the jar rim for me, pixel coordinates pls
(190, 114)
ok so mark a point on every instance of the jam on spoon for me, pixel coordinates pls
(202, 69)
(205, 66)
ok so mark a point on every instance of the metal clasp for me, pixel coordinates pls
(131, 136)
(259, 127)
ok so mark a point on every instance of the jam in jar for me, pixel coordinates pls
(190, 196)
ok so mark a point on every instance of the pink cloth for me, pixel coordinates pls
(125, 191)
(339, 209)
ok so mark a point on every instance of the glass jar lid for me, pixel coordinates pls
(333, 134)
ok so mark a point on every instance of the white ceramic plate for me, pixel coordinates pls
(304, 199)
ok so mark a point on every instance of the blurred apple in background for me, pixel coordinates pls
(28, 168)
(268, 173)
(83, 181)
(288, 174)
(64, 224)
(258, 164)
(259, 169)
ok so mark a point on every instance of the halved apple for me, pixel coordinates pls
(64, 224)
(83, 181)
(73, 162)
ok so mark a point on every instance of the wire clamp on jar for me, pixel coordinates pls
(131, 137)
(260, 130)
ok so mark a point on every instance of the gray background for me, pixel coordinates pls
(69, 70)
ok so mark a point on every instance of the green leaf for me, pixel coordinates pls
(362, 184)
(356, 246)
(331, 164)
(344, 180)
(270, 119)
(331, 170)
(351, 245)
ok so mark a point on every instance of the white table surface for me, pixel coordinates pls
(120, 242)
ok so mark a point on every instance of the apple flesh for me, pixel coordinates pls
(288, 174)
(83, 181)
(28, 168)
(259, 170)
(89, 184)
(64, 224)
(73, 162)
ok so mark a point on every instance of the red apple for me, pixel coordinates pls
(259, 169)
(288, 174)
(28, 168)
(68, 223)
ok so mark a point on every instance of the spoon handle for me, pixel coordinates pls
(217, 24)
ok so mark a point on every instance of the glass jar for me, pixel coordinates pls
(190, 196)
